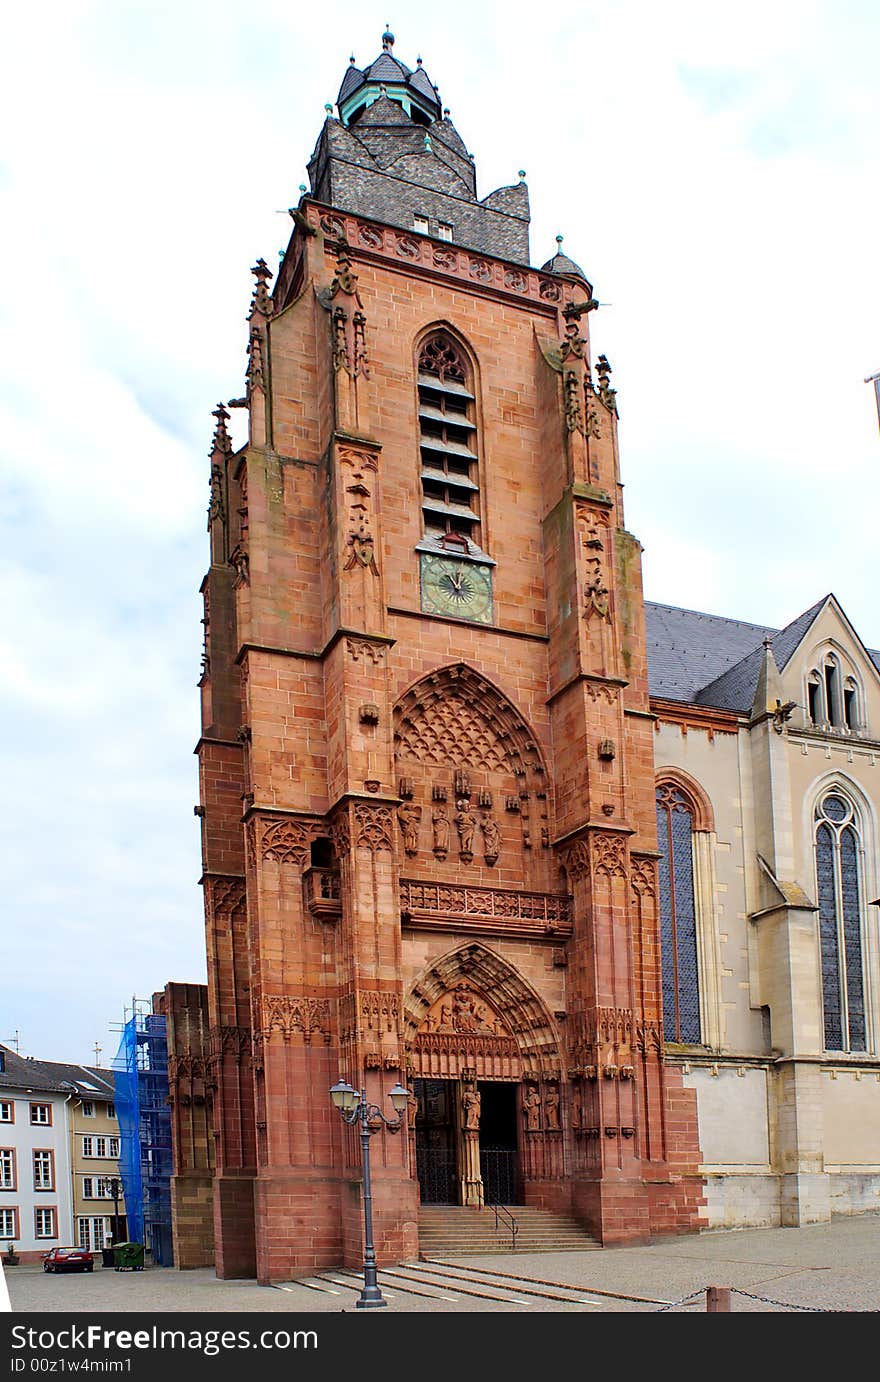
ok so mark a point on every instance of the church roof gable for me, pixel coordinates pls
(708, 660)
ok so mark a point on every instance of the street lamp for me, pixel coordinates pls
(353, 1108)
(112, 1185)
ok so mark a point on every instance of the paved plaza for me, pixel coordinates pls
(832, 1266)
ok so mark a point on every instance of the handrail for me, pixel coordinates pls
(505, 1214)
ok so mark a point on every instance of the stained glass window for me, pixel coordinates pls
(678, 921)
(840, 924)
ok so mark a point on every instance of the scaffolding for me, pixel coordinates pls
(145, 1160)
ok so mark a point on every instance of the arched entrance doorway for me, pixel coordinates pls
(481, 1051)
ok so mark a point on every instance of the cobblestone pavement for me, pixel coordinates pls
(832, 1266)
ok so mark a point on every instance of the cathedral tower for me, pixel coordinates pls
(426, 761)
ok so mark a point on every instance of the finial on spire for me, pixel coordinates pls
(387, 39)
(328, 107)
(419, 60)
(446, 112)
(559, 243)
(428, 145)
(221, 441)
(522, 175)
(351, 59)
(303, 189)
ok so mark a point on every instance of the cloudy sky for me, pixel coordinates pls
(715, 171)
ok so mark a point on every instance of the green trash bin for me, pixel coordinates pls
(128, 1257)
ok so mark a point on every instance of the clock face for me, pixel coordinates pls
(460, 589)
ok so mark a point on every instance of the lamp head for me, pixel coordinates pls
(343, 1096)
(399, 1098)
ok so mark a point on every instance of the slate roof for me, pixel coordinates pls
(54, 1077)
(704, 659)
(390, 70)
(561, 264)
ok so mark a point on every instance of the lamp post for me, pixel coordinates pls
(113, 1187)
(353, 1108)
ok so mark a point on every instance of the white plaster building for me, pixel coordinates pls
(45, 1108)
(767, 753)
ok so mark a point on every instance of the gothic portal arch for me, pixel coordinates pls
(472, 1015)
(473, 780)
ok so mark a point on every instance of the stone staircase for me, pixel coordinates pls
(450, 1230)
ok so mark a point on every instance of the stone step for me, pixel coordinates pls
(456, 1230)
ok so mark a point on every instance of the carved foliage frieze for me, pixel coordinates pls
(287, 1015)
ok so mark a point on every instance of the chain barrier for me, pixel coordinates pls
(764, 1300)
(673, 1304)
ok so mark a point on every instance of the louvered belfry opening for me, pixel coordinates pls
(448, 440)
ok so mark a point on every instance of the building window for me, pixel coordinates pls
(7, 1168)
(420, 224)
(88, 1108)
(447, 438)
(41, 1115)
(839, 888)
(111, 1110)
(833, 700)
(678, 922)
(92, 1233)
(7, 1111)
(8, 1223)
(44, 1223)
(96, 1188)
(44, 1170)
(100, 1146)
(444, 231)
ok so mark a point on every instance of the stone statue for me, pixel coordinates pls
(491, 839)
(551, 1109)
(466, 1016)
(532, 1109)
(465, 825)
(470, 1104)
(410, 817)
(440, 822)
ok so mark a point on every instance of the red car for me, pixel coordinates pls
(68, 1260)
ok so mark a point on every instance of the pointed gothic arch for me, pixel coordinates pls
(525, 1040)
(456, 712)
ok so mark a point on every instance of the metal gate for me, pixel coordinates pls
(499, 1168)
(437, 1172)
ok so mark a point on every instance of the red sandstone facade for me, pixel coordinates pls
(429, 843)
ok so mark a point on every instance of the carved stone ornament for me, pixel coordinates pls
(593, 538)
(373, 826)
(575, 858)
(365, 648)
(643, 876)
(261, 302)
(572, 390)
(370, 237)
(359, 543)
(289, 1014)
(288, 841)
(609, 855)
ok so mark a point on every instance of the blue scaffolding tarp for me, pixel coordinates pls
(145, 1161)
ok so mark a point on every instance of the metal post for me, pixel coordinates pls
(371, 1297)
(718, 1300)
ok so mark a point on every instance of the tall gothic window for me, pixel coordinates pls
(840, 923)
(447, 441)
(678, 921)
